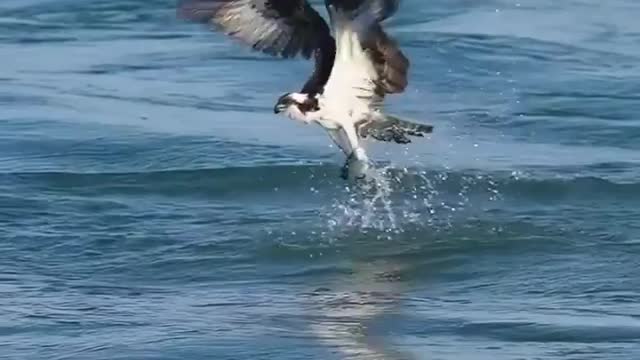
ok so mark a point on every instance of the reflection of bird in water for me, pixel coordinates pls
(345, 316)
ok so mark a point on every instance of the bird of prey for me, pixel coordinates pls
(355, 67)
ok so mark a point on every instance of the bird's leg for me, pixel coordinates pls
(356, 151)
(357, 161)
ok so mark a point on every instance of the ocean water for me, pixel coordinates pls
(153, 207)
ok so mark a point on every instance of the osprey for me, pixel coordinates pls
(353, 71)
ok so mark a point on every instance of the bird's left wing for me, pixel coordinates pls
(282, 28)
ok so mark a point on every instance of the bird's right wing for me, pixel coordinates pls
(283, 28)
(368, 63)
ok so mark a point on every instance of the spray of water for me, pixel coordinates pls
(390, 200)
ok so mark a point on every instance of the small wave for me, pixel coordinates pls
(535, 332)
(400, 182)
(178, 182)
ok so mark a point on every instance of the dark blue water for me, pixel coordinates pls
(153, 207)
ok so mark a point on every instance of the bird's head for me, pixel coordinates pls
(296, 104)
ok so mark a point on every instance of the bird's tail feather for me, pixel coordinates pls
(391, 128)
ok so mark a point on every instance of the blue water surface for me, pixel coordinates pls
(152, 206)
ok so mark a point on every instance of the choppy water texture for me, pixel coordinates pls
(153, 207)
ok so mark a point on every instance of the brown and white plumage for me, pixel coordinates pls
(353, 73)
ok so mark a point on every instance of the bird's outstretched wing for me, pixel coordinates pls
(284, 28)
(368, 63)
(390, 63)
(380, 9)
(277, 27)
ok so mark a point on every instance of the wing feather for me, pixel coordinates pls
(381, 9)
(391, 64)
(369, 63)
(284, 28)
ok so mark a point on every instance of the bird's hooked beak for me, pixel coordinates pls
(283, 103)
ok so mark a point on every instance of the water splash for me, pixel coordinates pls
(392, 200)
(366, 201)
